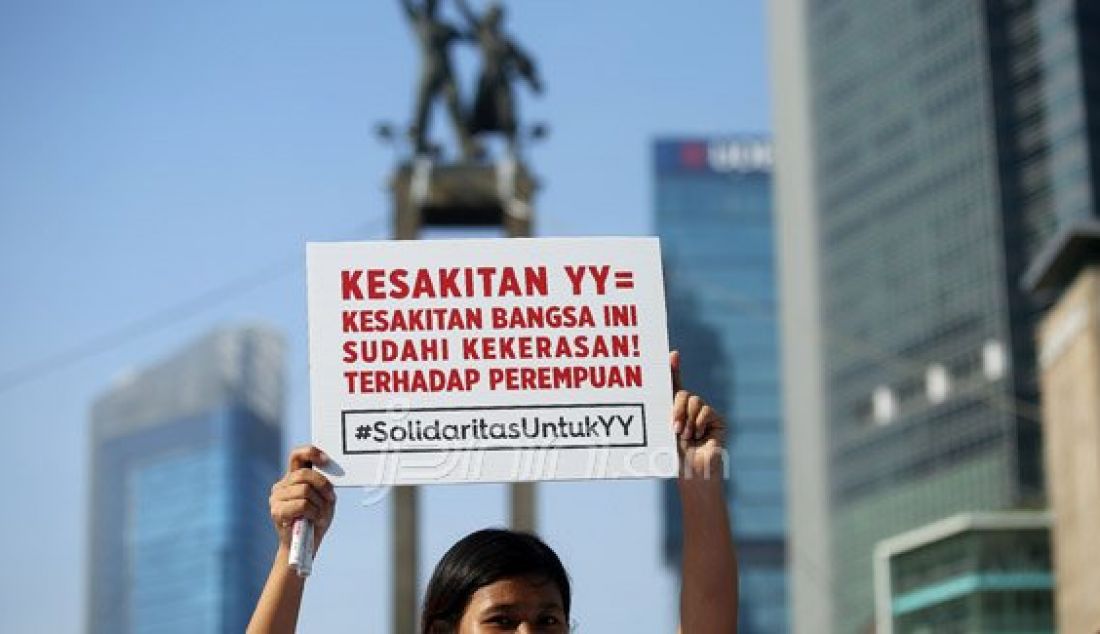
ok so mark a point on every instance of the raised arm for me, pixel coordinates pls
(525, 66)
(708, 592)
(468, 15)
(302, 492)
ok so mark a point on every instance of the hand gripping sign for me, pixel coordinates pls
(489, 360)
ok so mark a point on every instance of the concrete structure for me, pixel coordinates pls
(183, 456)
(1067, 273)
(1069, 355)
(453, 195)
(975, 572)
(809, 544)
(926, 151)
(713, 204)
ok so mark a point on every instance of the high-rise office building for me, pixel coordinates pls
(1069, 56)
(1069, 359)
(1067, 272)
(183, 455)
(714, 217)
(925, 152)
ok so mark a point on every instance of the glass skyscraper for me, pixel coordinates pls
(183, 455)
(714, 218)
(927, 149)
(1068, 32)
(929, 367)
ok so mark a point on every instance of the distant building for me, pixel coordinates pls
(714, 217)
(1069, 359)
(1066, 273)
(183, 456)
(926, 150)
(975, 572)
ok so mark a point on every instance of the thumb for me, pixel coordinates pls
(677, 378)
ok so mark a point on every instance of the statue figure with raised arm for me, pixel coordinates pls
(501, 60)
(436, 77)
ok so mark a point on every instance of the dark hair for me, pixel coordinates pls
(482, 558)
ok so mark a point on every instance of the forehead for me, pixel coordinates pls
(518, 591)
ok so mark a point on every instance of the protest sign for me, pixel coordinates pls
(489, 360)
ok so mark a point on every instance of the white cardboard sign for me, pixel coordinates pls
(489, 360)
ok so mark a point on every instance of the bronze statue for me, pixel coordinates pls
(435, 37)
(501, 60)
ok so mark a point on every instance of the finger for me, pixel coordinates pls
(677, 377)
(327, 513)
(704, 420)
(688, 432)
(304, 454)
(695, 406)
(689, 429)
(301, 491)
(287, 511)
(315, 479)
(716, 426)
(679, 411)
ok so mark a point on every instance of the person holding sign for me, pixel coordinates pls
(504, 581)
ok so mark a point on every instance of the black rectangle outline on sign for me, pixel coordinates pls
(344, 429)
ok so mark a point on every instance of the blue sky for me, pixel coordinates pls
(151, 151)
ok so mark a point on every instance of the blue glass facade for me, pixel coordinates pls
(180, 539)
(714, 217)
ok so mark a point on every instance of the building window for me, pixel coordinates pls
(884, 406)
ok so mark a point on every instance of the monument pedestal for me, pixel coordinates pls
(453, 195)
(458, 195)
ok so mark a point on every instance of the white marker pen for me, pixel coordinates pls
(301, 543)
